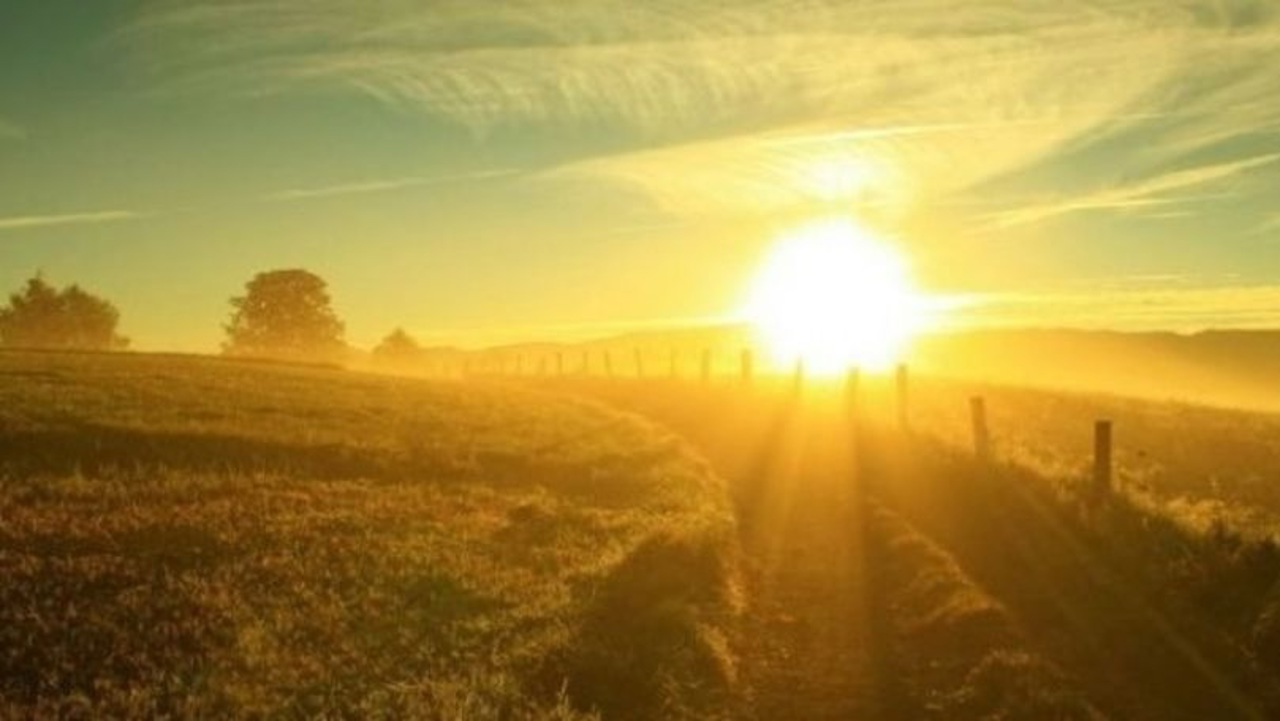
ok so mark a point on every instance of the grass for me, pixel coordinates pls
(192, 537)
(1009, 592)
(1202, 465)
(203, 538)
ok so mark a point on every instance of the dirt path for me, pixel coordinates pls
(813, 644)
(821, 637)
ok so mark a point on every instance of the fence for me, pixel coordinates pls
(745, 372)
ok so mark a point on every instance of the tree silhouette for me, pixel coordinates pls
(284, 314)
(398, 348)
(41, 316)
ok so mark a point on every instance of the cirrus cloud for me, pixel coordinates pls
(739, 106)
(43, 221)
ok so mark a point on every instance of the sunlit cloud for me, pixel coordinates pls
(1159, 190)
(783, 104)
(382, 186)
(43, 221)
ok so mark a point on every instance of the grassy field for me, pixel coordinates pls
(200, 538)
(192, 537)
(1207, 466)
(990, 590)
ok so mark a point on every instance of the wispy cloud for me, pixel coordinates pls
(1159, 190)
(42, 221)
(382, 186)
(772, 103)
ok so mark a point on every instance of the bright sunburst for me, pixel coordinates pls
(834, 296)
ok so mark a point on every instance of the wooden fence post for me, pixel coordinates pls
(542, 367)
(903, 381)
(586, 363)
(639, 363)
(706, 365)
(608, 364)
(674, 369)
(981, 437)
(797, 377)
(560, 364)
(748, 366)
(1102, 458)
(519, 364)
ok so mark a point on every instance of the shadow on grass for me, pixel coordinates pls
(93, 450)
(1156, 621)
(653, 643)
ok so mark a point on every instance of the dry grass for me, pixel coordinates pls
(1201, 465)
(201, 538)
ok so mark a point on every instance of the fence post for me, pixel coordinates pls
(797, 377)
(903, 388)
(1102, 458)
(748, 366)
(586, 363)
(981, 437)
(608, 365)
(639, 363)
(519, 364)
(674, 370)
(542, 367)
(706, 365)
(560, 363)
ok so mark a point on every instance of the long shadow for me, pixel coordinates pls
(94, 450)
(1087, 585)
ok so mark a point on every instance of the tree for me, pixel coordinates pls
(41, 316)
(284, 314)
(398, 348)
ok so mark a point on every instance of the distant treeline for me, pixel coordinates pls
(288, 315)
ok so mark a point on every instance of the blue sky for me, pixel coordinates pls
(486, 171)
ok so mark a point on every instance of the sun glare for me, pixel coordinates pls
(834, 296)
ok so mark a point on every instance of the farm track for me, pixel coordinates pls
(819, 639)
(812, 644)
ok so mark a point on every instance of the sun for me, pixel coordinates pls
(834, 296)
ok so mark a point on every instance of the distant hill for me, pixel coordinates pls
(1238, 368)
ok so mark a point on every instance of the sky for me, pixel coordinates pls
(485, 171)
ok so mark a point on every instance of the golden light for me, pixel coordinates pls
(840, 179)
(833, 295)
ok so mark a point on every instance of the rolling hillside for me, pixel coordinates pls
(201, 538)
(195, 537)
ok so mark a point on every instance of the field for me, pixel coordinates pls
(196, 538)
(955, 588)
(193, 537)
